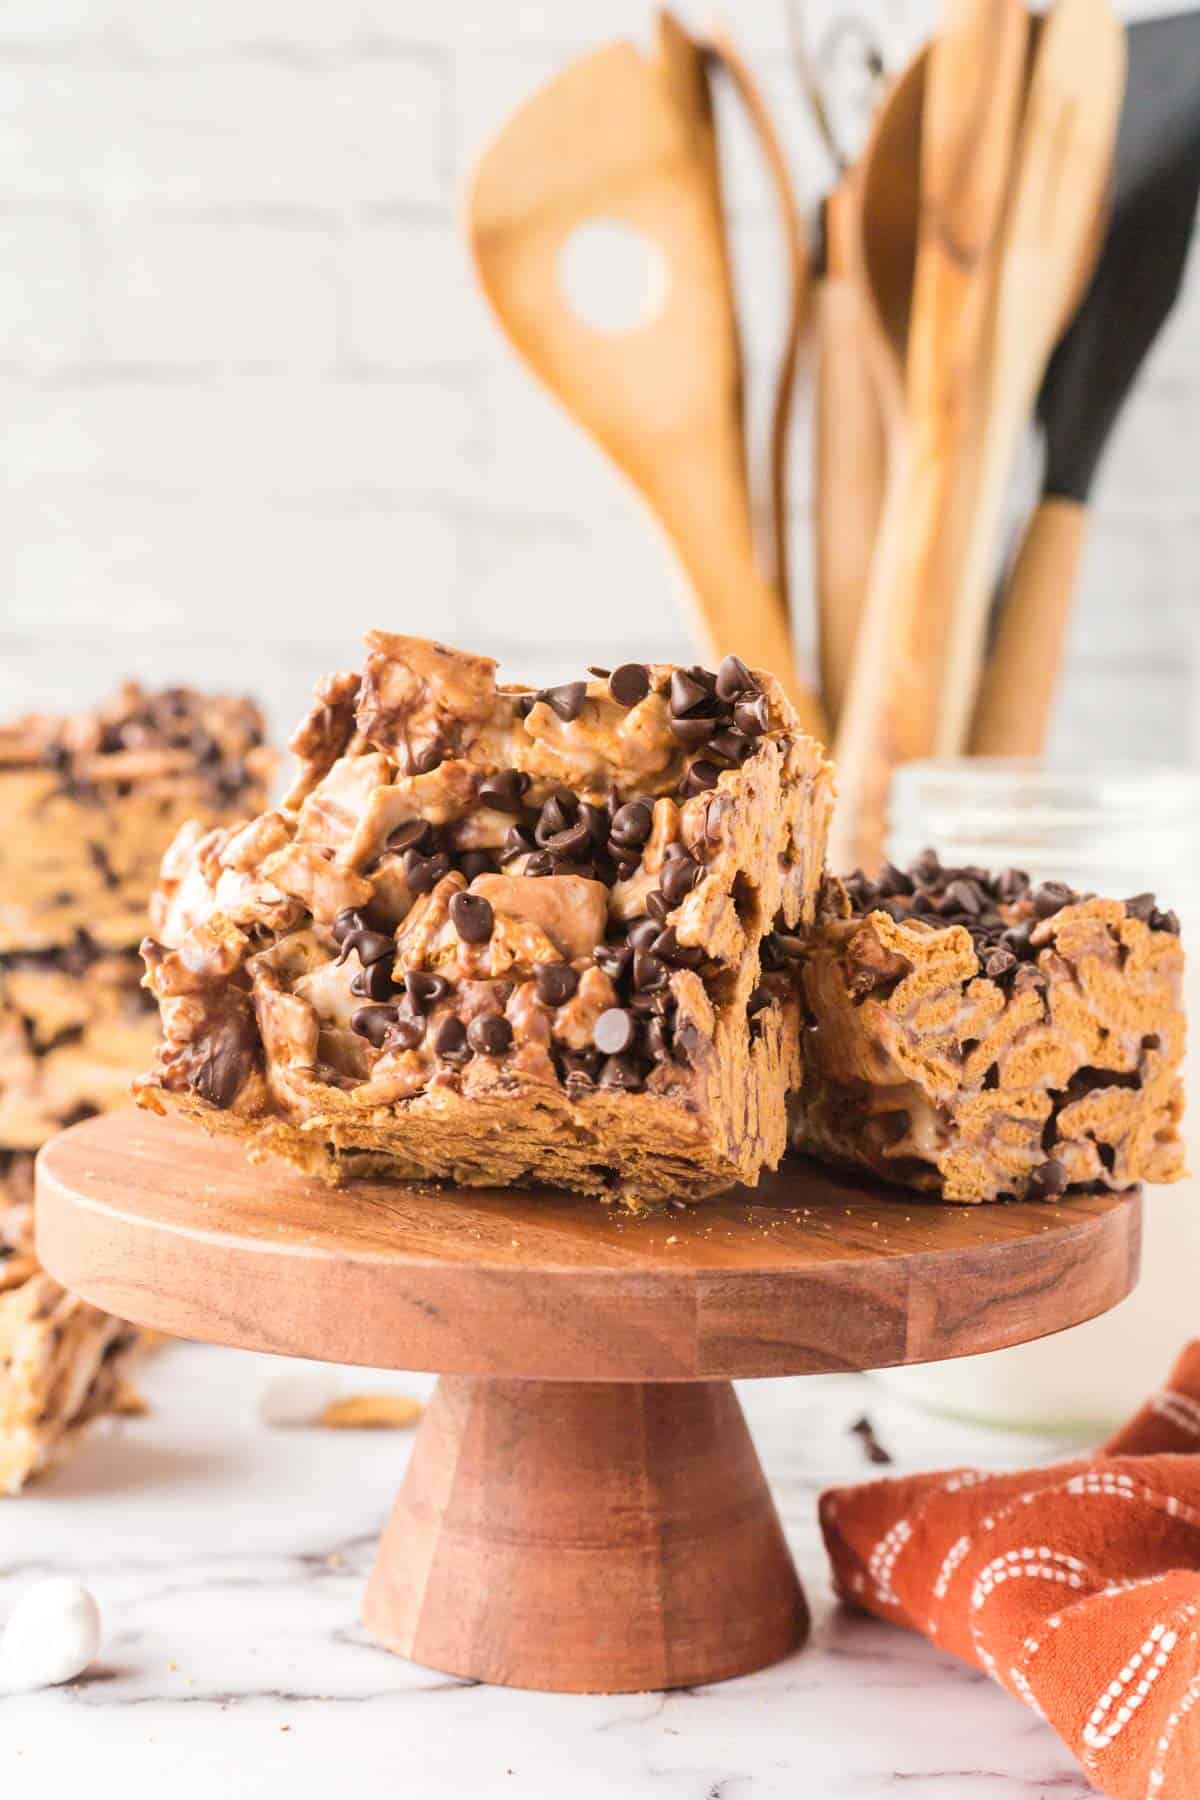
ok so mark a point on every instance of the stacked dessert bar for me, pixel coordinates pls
(582, 936)
(87, 806)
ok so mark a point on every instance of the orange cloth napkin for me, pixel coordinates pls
(1077, 1587)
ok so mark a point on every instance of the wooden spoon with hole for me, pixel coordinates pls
(973, 88)
(1064, 161)
(625, 136)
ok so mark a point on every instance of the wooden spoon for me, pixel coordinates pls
(1064, 161)
(625, 136)
(1156, 188)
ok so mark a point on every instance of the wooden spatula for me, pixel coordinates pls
(974, 85)
(619, 135)
(1064, 161)
(1155, 190)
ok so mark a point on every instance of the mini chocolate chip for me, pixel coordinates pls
(614, 1031)
(555, 982)
(612, 959)
(732, 746)
(649, 972)
(519, 842)
(476, 862)
(423, 873)
(373, 1023)
(999, 963)
(1165, 921)
(642, 933)
(678, 878)
(490, 1033)
(734, 679)
(752, 717)
(424, 990)
(410, 834)
(621, 1072)
(472, 918)
(451, 1040)
(374, 982)
(632, 823)
(629, 684)
(503, 791)
(1051, 897)
(406, 1033)
(1050, 1178)
(700, 776)
(347, 921)
(566, 700)
(656, 906)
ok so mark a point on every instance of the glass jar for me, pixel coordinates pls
(1115, 831)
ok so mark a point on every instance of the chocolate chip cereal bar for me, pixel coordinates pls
(88, 804)
(978, 1037)
(496, 935)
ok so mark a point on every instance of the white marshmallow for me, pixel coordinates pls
(52, 1635)
(298, 1398)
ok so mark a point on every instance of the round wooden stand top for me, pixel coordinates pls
(171, 1229)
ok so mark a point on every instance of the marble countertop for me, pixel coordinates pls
(229, 1560)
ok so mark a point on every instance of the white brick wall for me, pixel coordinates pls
(252, 404)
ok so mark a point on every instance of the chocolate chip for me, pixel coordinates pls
(429, 759)
(523, 704)
(472, 918)
(597, 820)
(629, 684)
(371, 946)
(410, 834)
(656, 906)
(967, 896)
(230, 1052)
(518, 842)
(688, 689)
(656, 1037)
(759, 1000)
(732, 746)
(693, 732)
(346, 922)
(503, 791)
(566, 700)
(572, 842)
(614, 1031)
(476, 862)
(489, 1033)
(1165, 921)
(424, 990)
(752, 717)
(451, 1040)
(699, 778)
(1051, 897)
(641, 933)
(555, 982)
(373, 1023)
(649, 972)
(667, 947)
(1141, 906)
(423, 873)
(632, 823)
(612, 959)
(1049, 1179)
(1016, 939)
(1012, 884)
(558, 812)
(678, 878)
(374, 982)
(540, 863)
(999, 963)
(406, 1034)
(621, 1072)
(579, 1068)
(893, 881)
(734, 679)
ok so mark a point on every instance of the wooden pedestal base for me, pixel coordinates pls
(586, 1537)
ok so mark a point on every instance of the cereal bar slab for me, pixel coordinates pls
(497, 935)
(982, 1038)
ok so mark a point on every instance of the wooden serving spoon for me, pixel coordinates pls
(1064, 160)
(625, 136)
(1156, 187)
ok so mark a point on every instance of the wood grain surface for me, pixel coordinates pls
(586, 1537)
(811, 1272)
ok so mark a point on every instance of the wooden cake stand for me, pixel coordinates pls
(584, 1510)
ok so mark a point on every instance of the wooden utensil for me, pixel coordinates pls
(973, 88)
(1064, 161)
(795, 247)
(850, 451)
(584, 1510)
(663, 400)
(1155, 189)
